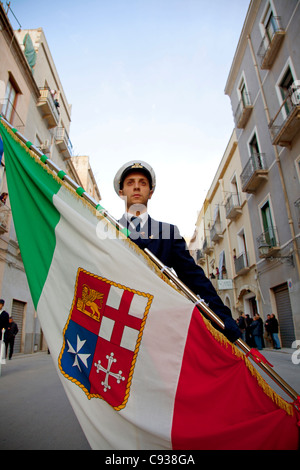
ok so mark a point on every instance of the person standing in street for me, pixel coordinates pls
(267, 333)
(273, 323)
(241, 322)
(257, 331)
(9, 337)
(4, 318)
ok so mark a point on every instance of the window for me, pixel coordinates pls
(242, 242)
(255, 152)
(285, 89)
(268, 226)
(272, 37)
(253, 144)
(244, 93)
(235, 191)
(270, 24)
(9, 102)
(222, 266)
(242, 260)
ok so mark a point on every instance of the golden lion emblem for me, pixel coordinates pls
(88, 300)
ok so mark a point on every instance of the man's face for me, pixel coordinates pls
(136, 192)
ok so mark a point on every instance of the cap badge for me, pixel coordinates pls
(137, 165)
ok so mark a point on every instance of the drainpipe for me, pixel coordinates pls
(289, 214)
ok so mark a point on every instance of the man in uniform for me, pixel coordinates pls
(135, 183)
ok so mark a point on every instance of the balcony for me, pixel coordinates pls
(48, 108)
(63, 142)
(270, 44)
(207, 248)
(254, 173)
(200, 257)
(216, 233)
(267, 243)
(243, 111)
(286, 124)
(4, 217)
(233, 207)
(241, 264)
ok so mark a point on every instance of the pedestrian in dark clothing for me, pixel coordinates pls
(274, 331)
(249, 337)
(241, 322)
(257, 331)
(268, 335)
(9, 337)
(4, 318)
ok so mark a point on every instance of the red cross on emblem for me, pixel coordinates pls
(111, 318)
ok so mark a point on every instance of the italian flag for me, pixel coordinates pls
(140, 365)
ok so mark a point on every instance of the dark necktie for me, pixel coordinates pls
(136, 221)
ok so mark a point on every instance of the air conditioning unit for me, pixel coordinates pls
(45, 146)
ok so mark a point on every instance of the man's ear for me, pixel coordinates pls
(121, 193)
(151, 193)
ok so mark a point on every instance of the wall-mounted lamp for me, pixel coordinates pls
(263, 249)
(264, 252)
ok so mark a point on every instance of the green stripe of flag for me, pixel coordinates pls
(31, 188)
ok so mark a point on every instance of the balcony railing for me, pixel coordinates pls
(200, 256)
(233, 206)
(267, 243)
(254, 173)
(216, 233)
(243, 111)
(286, 124)
(48, 108)
(63, 142)
(207, 247)
(241, 264)
(271, 43)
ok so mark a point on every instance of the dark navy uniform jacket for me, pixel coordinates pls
(166, 243)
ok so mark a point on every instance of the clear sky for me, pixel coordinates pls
(146, 80)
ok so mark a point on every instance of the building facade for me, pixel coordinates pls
(263, 86)
(223, 243)
(84, 171)
(33, 100)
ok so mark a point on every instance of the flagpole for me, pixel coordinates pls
(66, 178)
(253, 353)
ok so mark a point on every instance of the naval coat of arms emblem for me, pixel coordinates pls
(102, 337)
